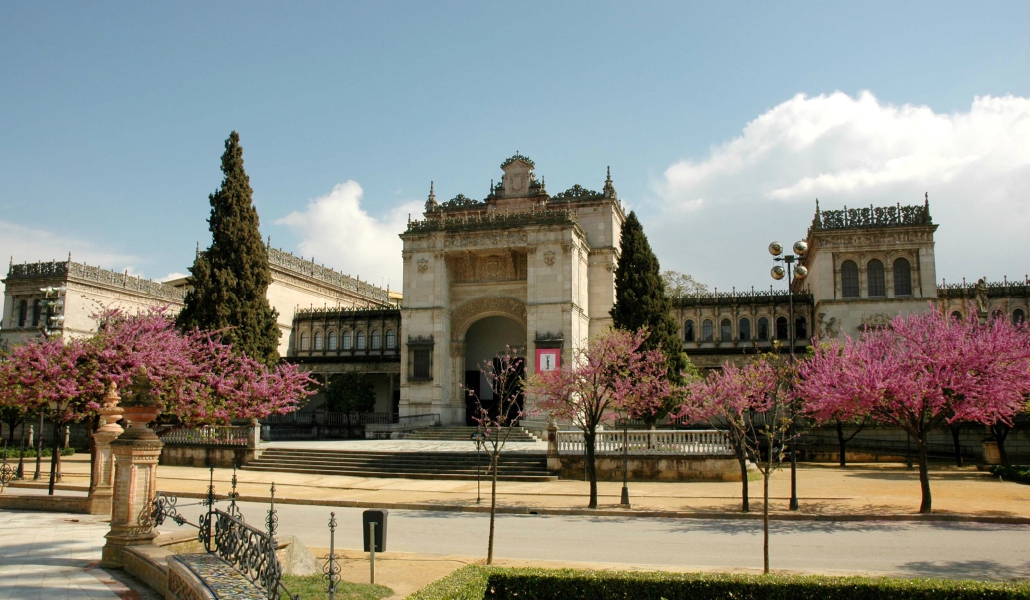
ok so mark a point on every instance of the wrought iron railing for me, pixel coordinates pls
(658, 442)
(250, 551)
(207, 436)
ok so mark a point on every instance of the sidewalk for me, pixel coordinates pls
(53, 555)
(863, 491)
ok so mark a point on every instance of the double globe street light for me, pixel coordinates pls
(792, 273)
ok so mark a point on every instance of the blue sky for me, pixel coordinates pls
(114, 116)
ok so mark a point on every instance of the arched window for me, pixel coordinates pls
(763, 329)
(725, 330)
(800, 328)
(706, 330)
(781, 328)
(902, 278)
(331, 339)
(376, 340)
(849, 279)
(391, 339)
(745, 329)
(1018, 316)
(23, 313)
(304, 341)
(956, 315)
(877, 285)
(346, 340)
(997, 314)
(35, 313)
(688, 331)
(361, 340)
(318, 340)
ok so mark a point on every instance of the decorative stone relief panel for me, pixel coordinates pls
(549, 258)
(463, 316)
(497, 238)
(476, 267)
(423, 265)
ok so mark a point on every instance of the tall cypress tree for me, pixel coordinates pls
(641, 301)
(230, 279)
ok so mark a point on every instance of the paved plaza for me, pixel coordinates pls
(404, 446)
(54, 556)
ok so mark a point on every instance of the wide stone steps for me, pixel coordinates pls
(464, 434)
(409, 465)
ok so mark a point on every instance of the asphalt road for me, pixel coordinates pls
(960, 550)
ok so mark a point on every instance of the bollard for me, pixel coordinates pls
(372, 552)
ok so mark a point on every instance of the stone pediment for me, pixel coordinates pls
(518, 175)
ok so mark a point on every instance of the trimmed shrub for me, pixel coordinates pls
(483, 583)
(15, 453)
(1019, 474)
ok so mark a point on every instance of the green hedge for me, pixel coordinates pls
(482, 583)
(15, 453)
(1019, 474)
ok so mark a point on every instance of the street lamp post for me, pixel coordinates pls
(53, 302)
(624, 503)
(799, 273)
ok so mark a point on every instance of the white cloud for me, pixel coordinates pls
(340, 234)
(24, 244)
(720, 213)
(172, 277)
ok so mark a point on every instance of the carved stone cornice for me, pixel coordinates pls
(489, 239)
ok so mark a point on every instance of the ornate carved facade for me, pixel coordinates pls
(540, 264)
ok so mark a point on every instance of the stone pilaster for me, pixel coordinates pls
(136, 453)
(102, 488)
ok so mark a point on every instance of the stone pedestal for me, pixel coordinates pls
(992, 455)
(102, 488)
(136, 454)
(254, 440)
(553, 462)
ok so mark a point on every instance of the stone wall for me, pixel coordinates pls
(656, 468)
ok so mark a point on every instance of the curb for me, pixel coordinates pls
(638, 514)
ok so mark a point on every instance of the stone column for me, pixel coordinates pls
(254, 440)
(136, 453)
(553, 460)
(102, 489)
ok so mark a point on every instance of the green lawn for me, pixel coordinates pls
(312, 587)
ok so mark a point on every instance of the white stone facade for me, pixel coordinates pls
(547, 264)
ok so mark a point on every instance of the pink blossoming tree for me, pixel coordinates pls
(610, 375)
(921, 373)
(752, 404)
(497, 418)
(198, 379)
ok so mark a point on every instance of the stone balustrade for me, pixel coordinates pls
(654, 442)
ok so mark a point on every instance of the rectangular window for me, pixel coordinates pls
(422, 363)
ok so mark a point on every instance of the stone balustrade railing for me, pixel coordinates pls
(686, 442)
(207, 436)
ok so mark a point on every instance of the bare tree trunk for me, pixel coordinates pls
(765, 520)
(924, 476)
(956, 442)
(842, 443)
(493, 508)
(589, 437)
(745, 503)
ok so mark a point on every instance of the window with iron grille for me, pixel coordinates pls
(877, 283)
(849, 279)
(902, 278)
(422, 363)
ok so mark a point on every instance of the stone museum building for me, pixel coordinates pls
(533, 273)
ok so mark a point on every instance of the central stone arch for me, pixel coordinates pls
(470, 312)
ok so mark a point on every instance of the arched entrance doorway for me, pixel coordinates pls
(485, 340)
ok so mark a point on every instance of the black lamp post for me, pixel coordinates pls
(624, 503)
(799, 273)
(53, 302)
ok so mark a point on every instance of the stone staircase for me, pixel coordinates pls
(464, 434)
(514, 466)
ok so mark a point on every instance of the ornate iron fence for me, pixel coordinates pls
(250, 551)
